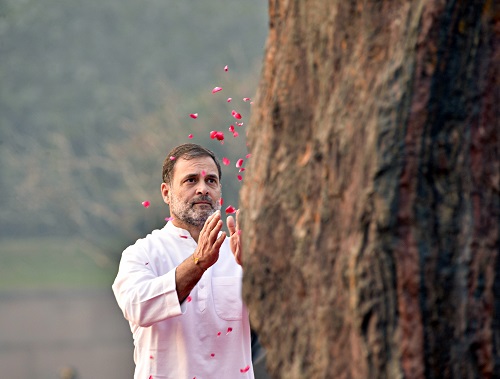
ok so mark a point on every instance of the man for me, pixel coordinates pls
(180, 287)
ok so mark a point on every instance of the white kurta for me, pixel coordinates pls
(208, 336)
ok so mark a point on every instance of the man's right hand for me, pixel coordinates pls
(209, 242)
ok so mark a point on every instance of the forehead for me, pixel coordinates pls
(185, 167)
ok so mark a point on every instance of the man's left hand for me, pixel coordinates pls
(234, 237)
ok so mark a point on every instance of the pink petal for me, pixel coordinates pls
(226, 161)
(239, 163)
(180, 235)
(221, 201)
(220, 136)
(230, 209)
(193, 115)
(212, 355)
(240, 178)
(242, 169)
(246, 99)
(218, 334)
(216, 89)
(236, 115)
(213, 134)
(151, 357)
(189, 298)
(248, 155)
(226, 68)
(172, 158)
(229, 330)
(229, 99)
(231, 128)
(169, 218)
(235, 134)
(243, 370)
(239, 123)
(190, 136)
(146, 204)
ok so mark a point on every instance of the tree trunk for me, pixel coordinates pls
(371, 202)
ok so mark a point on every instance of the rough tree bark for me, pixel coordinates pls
(371, 202)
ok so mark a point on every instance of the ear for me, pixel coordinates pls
(165, 191)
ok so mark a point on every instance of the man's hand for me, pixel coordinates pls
(234, 237)
(207, 252)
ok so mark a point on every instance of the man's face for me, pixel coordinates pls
(195, 191)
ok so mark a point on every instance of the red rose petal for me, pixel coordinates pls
(236, 115)
(246, 99)
(239, 163)
(193, 115)
(189, 298)
(245, 369)
(226, 161)
(172, 158)
(146, 204)
(230, 209)
(229, 99)
(226, 68)
(240, 178)
(216, 89)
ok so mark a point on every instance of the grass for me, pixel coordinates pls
(53, 263)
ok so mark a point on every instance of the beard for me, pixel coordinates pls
(192, 214)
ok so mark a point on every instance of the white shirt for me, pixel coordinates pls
(205, 337)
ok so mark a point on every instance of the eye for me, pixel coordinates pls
(190, 180)
(212, 180)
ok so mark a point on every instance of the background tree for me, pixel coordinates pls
(371, 202)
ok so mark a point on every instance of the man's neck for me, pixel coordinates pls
(193, 230)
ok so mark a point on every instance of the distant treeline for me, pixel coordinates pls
(94, 93)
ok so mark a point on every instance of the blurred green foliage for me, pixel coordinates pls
(93, 94)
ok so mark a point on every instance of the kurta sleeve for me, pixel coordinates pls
(144, 296)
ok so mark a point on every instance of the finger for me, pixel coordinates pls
(210, 222)
(238, 219)
(220, 240)
(215, 231)
(230, 225)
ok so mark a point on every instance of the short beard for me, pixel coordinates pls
(185, 211)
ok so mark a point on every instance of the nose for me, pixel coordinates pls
(202, 188)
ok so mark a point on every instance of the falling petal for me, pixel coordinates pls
(213, 133)
(239, 123)
(242, 169)
(189, 298)
(180, 235)
(212, 355)
(216, 89)
(230, 209)
(193, 115)
(146, 204)
(231, 128)
(239, 163)
(172, 158)
(218, 334)
(240, 178)
(226, 68)
(235, 134)
(151, 357)
(229, 99)
(246, 99)
(236, 115)
(190, 136)
(243, 370)
(169, 218)
(221, 201)
(248, 155)
(219, 136)
(226, 161)
(229, 330)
